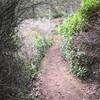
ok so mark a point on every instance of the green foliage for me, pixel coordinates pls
(42, 45)
(71, 25)
(64, 48)
(77, 21)
(34, 98)
(74, 24)
(79, 61)
(32, 69)
(49, 43)
(80, 71)
(90, 4)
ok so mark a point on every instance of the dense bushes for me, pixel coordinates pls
(80, 21)
(79, 61)
(14, 74)
(35, 46)
(76, 22)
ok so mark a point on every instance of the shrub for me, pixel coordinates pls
(42, 45)
(79, 61)
(74, 24)
(35, 47)
(33, 70)
(49, 42)
(80, 71)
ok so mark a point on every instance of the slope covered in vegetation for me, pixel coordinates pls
(80, 30)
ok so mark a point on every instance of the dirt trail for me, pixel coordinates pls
(56, 81)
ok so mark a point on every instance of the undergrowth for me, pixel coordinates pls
(74, 24)
(42, 45)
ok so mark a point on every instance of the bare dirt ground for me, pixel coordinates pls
(57, 83)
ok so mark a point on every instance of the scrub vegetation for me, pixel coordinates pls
(73, 26)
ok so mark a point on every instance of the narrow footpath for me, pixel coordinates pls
(56, 81)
